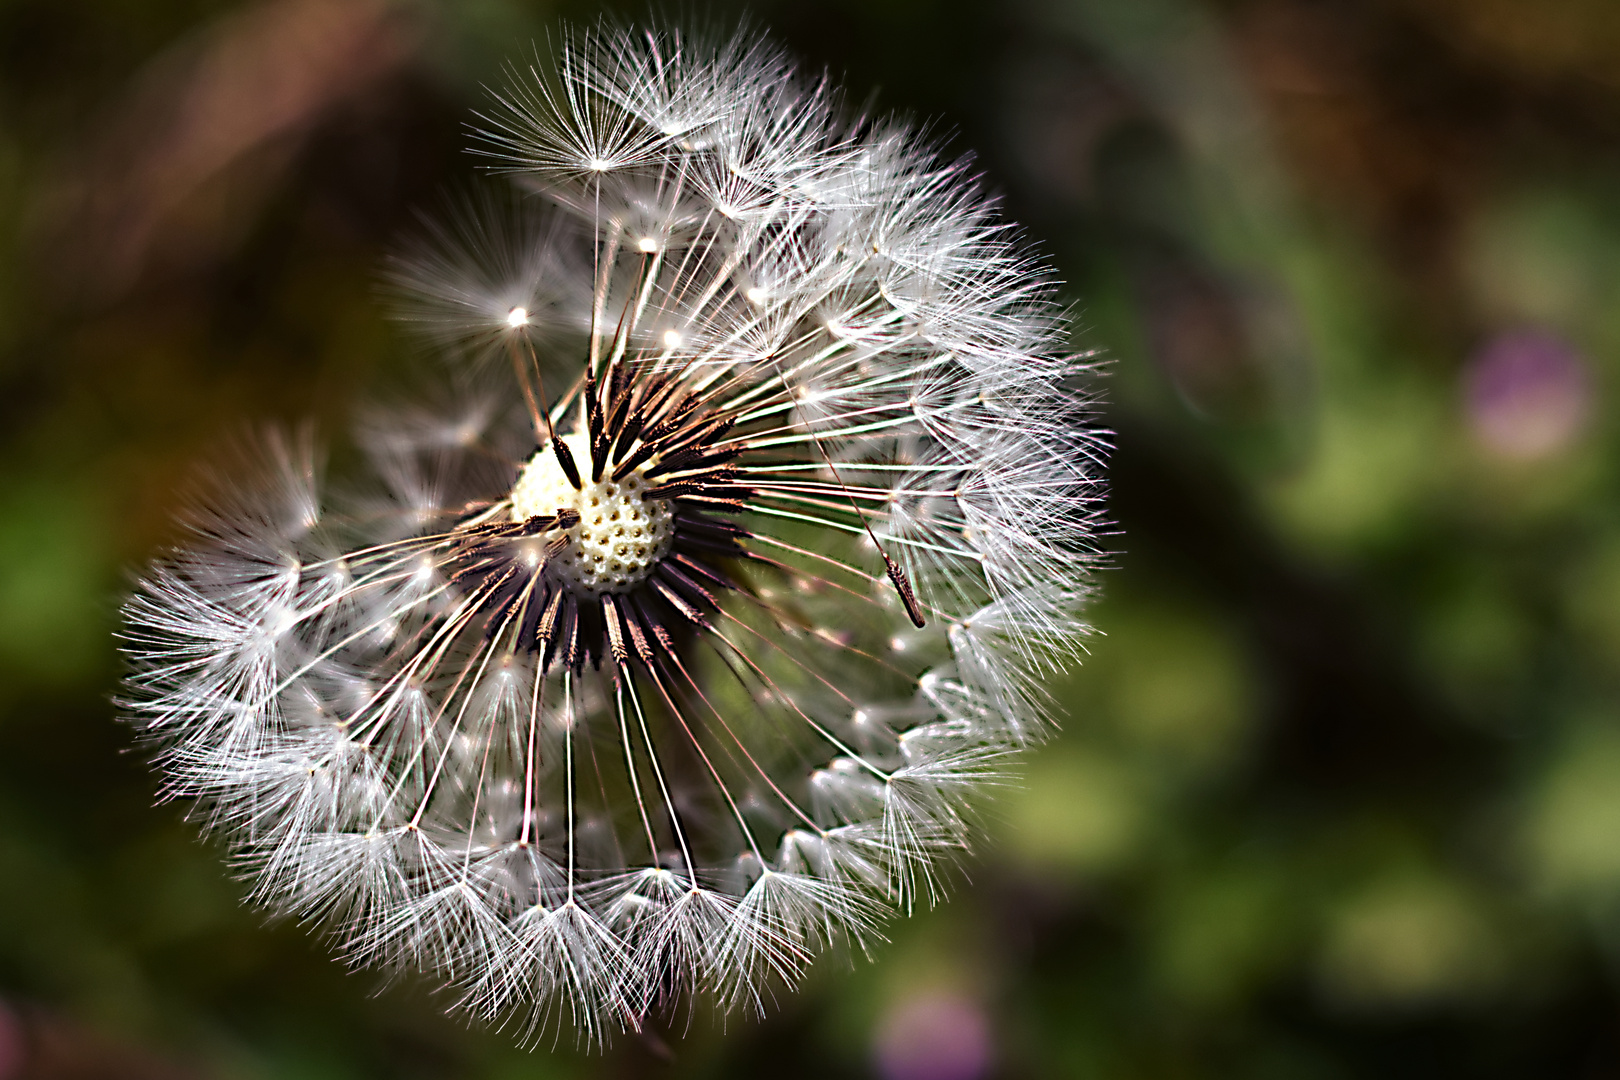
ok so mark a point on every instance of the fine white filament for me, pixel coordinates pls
(804, 347)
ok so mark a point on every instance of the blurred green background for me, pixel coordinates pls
(1339, 790)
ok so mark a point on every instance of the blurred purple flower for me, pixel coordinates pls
(13, 1043)
(934, 1036)
(1528, 394)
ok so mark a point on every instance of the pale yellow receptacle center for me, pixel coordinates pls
(622, 534)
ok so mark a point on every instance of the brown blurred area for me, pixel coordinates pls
(1398, 117)
(184, 163)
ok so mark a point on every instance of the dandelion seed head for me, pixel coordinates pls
(641, 662)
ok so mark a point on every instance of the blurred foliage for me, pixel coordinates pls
(1339, 790)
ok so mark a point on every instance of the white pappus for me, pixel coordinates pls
(670, 643)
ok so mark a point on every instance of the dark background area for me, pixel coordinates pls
(1338, 794)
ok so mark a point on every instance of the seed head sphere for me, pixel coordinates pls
(666, 641)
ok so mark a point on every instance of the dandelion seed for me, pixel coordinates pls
(657, 661)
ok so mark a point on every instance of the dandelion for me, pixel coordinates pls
(667, 646)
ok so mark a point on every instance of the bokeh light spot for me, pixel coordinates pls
(933, 1036)
(1528, 395)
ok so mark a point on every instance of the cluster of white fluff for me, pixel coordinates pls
(584, 839)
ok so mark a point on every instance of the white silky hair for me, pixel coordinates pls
(575, 844)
